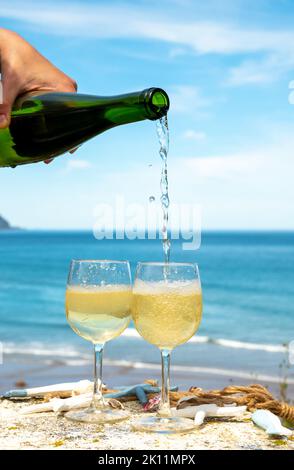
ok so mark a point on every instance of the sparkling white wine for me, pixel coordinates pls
(98, 314)
(166, 313)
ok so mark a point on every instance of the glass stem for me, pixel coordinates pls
(164, 408)
(98, 400)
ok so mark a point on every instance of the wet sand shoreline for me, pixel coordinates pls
(37, 374)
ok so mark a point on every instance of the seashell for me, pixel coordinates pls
(199, 412)
(79, 401)
(64, 389)
(199, 417)
(113, 403)
(268, 421)
(40, 408)
(152, 403)
(60, 404)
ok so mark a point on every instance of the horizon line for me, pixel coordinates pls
(208, 230)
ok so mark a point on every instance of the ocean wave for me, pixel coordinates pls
(227, 343)
(254, 377)
(43, 349)
(67, 362)
(199, 370)
(38, 349)
(71, 357)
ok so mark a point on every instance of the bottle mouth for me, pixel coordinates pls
(157, 102)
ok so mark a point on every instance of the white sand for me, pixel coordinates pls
(48, 431)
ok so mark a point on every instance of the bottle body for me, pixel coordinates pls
(44, 126)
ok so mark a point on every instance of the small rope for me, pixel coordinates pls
(287, 412)
(254, 396)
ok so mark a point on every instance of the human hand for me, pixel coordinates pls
(23, 70)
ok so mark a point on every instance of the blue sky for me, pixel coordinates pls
(226, 66)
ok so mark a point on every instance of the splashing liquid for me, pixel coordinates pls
(163, 138)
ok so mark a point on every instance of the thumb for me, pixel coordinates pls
(7, 98)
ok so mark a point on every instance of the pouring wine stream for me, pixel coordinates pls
(163, 138)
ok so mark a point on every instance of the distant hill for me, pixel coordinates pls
(4, 225)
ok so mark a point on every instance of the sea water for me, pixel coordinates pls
(247, 281)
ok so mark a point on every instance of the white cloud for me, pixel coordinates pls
(249, 189)
(252, 189)
(74, 164)
(261, 71)
(186, 98)
(183, 33)
(222, 167)
(139, 22)
(191, 134)
(177, 52)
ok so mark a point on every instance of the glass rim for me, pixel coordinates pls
(162, 263)
(80, 260)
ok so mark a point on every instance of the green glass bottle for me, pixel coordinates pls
(44, 126)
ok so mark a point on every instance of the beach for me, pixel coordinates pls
(53, 432)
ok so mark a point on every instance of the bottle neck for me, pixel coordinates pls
(151, 104)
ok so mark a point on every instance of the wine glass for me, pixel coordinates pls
(98, 308)
(166, 309)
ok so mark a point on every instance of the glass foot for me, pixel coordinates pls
(157, 424)
(97, 416)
